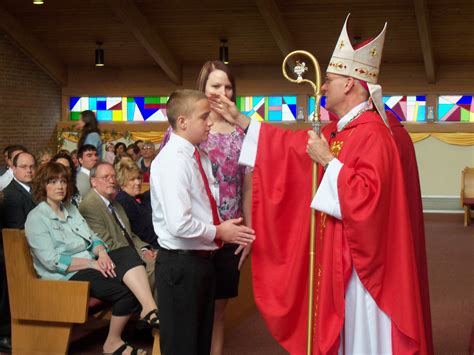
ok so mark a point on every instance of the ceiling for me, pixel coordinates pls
(172, 33)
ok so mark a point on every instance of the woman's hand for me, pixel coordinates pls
(106, 264)
(227, 109)
(245, 251)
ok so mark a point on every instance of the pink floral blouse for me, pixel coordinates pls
(224, 151)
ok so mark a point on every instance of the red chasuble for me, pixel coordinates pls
(374, 237)
(412, 183)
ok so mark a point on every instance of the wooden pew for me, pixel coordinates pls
(145, 187)
(467, 193)
(43, 312)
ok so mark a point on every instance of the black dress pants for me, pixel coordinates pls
(186, 290)
(112, 289)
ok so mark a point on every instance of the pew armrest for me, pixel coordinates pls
(48, 300)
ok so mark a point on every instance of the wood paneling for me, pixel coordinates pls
(262, 80)
(192, 29)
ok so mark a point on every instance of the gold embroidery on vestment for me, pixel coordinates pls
(336, 147)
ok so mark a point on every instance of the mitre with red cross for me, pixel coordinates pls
(362, 63)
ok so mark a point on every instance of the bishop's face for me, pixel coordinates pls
(333, 89)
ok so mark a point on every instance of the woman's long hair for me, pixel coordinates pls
(208, 68)
(90, 125)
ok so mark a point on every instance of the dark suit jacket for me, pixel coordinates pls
(139, 215)
(17, 203)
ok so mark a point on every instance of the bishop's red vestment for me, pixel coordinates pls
(374, 237)
(407, 154)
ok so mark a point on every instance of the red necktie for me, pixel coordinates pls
(215, 214)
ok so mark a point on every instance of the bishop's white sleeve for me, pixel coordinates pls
(327, 197)
(248, 153)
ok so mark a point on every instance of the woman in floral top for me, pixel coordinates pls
(235, 187)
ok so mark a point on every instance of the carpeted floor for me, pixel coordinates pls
(450, 248)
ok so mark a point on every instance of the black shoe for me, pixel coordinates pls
(5, 344)
(150, 321)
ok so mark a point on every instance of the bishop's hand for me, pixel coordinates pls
(318, 149)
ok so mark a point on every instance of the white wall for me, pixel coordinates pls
(440, 165)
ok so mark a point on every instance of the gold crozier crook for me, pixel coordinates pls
(299, 69)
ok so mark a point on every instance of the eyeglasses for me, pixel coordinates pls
(106, 177)
(26, 167)
(148, 148)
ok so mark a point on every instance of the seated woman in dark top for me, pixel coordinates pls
(65, 248)
(136, 205)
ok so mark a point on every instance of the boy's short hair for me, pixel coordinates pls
(180, 103)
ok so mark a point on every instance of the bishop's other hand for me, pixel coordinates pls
(318, 149)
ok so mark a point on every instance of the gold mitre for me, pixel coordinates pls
(362, 63)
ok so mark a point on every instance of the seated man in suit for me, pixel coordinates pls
(107, 218)
(17, 197)
(87, 156)
(16, 203)
(9, 153)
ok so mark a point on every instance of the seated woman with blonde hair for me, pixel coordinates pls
(137, 206)
(65, 248)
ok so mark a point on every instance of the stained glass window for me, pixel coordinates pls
(407, 108)
(456, 108)
(147, 108)
(268, 108)
(121, 109)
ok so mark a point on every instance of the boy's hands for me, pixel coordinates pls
(232, 231)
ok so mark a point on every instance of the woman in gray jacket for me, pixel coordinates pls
(65, 248)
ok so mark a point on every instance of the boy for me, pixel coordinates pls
(186, 220)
